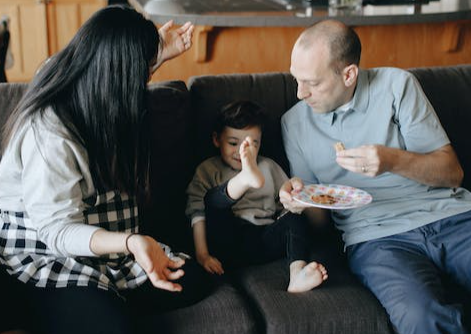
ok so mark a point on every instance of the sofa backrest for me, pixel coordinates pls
(449, 91)
(171, 155)
(276, 92)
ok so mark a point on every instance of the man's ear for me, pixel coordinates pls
(216, 139)
(350, 75)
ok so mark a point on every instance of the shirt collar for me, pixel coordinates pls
(361, 98)
(359, 102)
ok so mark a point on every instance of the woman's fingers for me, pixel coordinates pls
(175, 263)
(188, 27)
(173, 275)
(166, 285)
(167, 25)
(161, 280)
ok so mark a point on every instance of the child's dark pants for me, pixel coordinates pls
(236, 241)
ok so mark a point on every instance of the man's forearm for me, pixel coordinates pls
(439, 168)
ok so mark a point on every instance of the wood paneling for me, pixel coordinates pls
(28, 36)
(40, 28)
(258, 49)
(65, 17)
(415, 45)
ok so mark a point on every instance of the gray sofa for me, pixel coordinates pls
(254, 300)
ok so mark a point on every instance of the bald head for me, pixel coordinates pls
(341, 42)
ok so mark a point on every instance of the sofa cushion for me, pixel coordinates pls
(168, 116)
(224, 311)
(276, 92)
(449, 91)
(339, 305)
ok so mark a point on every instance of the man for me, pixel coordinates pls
(418, 226)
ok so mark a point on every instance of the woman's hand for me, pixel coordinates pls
(291, 186)
(158, 267)
(175, 41)
(211, 264)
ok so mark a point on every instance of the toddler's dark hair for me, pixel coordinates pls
(239, 115)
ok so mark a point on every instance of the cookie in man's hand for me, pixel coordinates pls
(339, 146)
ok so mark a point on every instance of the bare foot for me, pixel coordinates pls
(307, 278)
(250, 173)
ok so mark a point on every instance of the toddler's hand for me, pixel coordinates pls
(211, 264)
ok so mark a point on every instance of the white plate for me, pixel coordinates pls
(343, 197)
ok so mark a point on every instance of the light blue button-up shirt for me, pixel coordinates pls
(389, 108)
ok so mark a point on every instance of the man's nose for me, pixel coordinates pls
(302, 92)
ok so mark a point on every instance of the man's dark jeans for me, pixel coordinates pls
(405, 273)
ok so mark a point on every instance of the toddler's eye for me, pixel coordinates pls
(232, 144)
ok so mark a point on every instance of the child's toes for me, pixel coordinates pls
(312, 266)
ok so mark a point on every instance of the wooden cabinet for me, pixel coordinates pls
(268, 49)
(28, 36)
(40, 28)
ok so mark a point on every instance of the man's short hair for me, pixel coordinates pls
(342, 41)
(345, 47)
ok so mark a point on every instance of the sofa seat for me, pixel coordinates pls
(225, 311)
(339, 305)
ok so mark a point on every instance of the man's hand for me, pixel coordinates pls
(439, 168)
(158, 267)
(211, 264)
(174, 41)
(291, 186)
(370, 160)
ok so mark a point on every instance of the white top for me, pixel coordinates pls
(45, 173)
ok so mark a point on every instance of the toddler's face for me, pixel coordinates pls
(229, 143)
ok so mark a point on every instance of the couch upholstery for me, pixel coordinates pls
(254, 300)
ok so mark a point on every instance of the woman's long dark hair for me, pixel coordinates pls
(97, 87)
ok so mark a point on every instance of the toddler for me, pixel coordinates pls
(233, 204)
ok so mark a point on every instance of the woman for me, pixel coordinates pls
(75, 158)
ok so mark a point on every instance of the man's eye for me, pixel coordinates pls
(232, 144)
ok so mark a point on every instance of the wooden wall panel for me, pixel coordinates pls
(28, 36)
(246, 50)
(40, 28)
